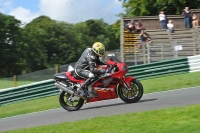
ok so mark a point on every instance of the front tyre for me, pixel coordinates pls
(70, 104)
(133, 94)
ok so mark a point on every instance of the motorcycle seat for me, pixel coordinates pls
(72, 73)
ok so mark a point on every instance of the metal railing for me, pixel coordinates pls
(165, 46)
(161, 68)
(28, 92)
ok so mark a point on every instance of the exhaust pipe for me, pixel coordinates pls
(65, 89)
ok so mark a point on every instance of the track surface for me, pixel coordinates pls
(151, 101)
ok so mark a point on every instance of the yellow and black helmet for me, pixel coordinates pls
(98, 48)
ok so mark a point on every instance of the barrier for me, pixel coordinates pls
(28, 92)
(156, 69)
(194, 63)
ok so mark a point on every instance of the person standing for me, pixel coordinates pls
(187, 14)
(162, 20)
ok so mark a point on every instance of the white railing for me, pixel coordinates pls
(194, 63)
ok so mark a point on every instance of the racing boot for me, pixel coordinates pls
(82, 91)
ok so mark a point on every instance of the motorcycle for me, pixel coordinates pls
(108, 86)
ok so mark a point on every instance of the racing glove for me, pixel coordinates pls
(108, 70)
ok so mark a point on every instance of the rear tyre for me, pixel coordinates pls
(134, 94)
(71, 105)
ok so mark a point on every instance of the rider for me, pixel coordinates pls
(85, 66)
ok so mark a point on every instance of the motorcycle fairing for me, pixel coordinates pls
(71, 77)
(106, 81)
(104, 92)
(128, 80)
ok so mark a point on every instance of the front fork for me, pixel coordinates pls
(127, 81)
(126, 86)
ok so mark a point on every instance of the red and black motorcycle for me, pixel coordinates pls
(108, 86)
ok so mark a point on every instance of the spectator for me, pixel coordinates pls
(139, 27)
(170, 26)
(162, 19)
(187, 14)
(195, 20)
(141, 31)
(131, 26)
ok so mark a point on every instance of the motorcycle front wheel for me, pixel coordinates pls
(71, 104)
(133, 94)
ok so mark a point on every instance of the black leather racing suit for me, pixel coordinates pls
(85, 66)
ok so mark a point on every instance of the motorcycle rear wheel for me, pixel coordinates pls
(74, 105)
(133, 95)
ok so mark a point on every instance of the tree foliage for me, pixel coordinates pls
(152, 7)
(10, 46)
(44, 42)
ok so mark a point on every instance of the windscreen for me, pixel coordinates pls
(114, 59)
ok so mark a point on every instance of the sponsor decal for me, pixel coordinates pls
(103, 89)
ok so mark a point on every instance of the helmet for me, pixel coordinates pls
(98, 48)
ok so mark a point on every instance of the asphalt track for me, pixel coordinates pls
(166, 99)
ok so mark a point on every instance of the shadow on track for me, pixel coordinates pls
(147, 100)
(117, 104)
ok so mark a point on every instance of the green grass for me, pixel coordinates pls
(9, 84)
(150, 85)
(171, 82)
(29, 106)
(173, 120)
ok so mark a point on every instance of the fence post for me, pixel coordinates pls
(199, 45)
(148, 52)
(194, 40)
(144, 52)
(15, 80)
(56, 68)
(122, 38)
(176, 51)
(135, 55)
(162, 58)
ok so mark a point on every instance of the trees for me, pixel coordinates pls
(102, 32)
(44, 42)
(152, 7)
(10, 45)
(47, 42)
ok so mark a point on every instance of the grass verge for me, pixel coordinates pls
(173, 120)
(10, 84)
(150, 85)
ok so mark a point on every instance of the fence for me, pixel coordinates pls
(28, 92)
(47, 88)
(161, 68)
(18, 80)
(153, 23)
(32, 77)
(164, 46)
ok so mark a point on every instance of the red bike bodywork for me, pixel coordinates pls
(106, 86)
